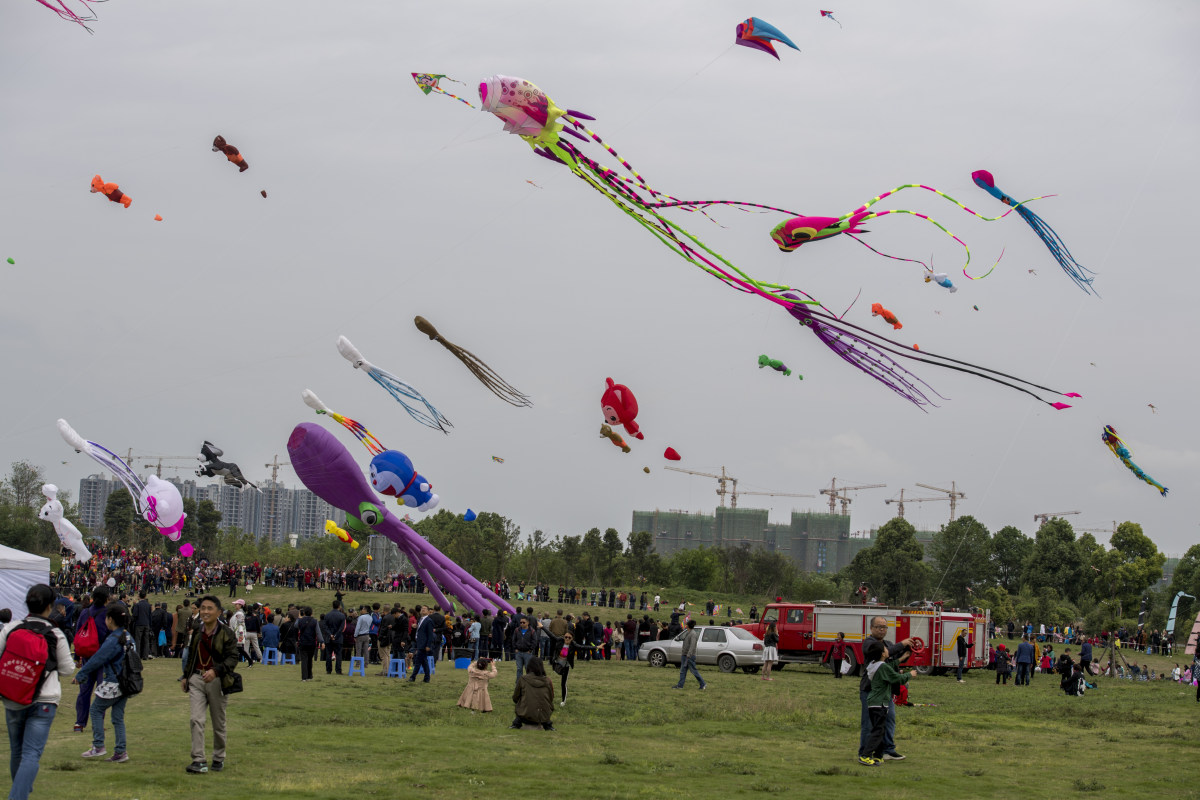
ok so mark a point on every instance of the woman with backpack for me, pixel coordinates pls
(90, 632)
(29, 720)
(109, 663)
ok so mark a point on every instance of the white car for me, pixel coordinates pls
(727, 648)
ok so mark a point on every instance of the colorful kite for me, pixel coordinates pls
(398, 389)
(60, 7)
(941, 279)
(528, 112)
(428, 82)
(111, 191)
(362, 434)
(498, 459)
(231, 152)
(393, 474)
(1117, 445)
(329, 471)
(756, 34)
(211, 466)
(671, 454)
(68, 534)
(773, 363)
(486, 375)
(620, 407)
(607, 432)
(157, 501)
(332, 529)
(877, 310)
(470, 516)
(1075, 271)
(829, 14)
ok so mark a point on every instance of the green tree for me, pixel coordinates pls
(1010, 550)
(737, 562)
(1000, 602)
(570, 549)
(637, 553)
(771, 572)
(119, 515)
(536, 549)
(500, 537)
(202, 526)
(893, 566)
(593, 551)
(1129, 568)
(961, 555)
(1056, 561)
(461, 541)
(23, 486)
(696, 568)
(611, 554)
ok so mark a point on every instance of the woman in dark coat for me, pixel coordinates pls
(534, 697)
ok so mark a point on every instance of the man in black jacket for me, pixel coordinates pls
(335, 621)
(525, 642)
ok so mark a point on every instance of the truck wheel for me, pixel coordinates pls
(727, 663)
(657, 658)
(853, 662)
(925, 670)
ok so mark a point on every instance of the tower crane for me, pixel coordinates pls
(900, 502)
(776, 494)
(157, 463)
(274, 465)
(835, 494)
(952, 493)
(722, 479)
(1044, 518)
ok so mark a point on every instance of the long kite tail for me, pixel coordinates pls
(941, 194)
(944, 230)
(946, 362)
(401, 391)
(486, 375)
(440, 90)
(1058, 249)
(360, 432)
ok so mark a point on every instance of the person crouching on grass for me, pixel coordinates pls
(534, 698)
(884, 681)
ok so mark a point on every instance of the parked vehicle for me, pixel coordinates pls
(727, 647)
(807, 630)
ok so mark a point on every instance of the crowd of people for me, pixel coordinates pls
(1153, 642)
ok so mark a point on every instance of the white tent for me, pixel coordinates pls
(19, 571)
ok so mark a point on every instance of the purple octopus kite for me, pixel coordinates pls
(330, 472)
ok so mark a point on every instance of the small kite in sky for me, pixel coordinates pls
(829, 14)
(620, 407)
(941, 279)
(111, 191)
(534, 185)
(607, 432)
(64, 12)
(1118, 448)
(12, 261)
(498, 459)
(398, 389)
(428, 82)
(470, 516)
(756, 34)
(486, 375)
(670, 454)
(1032, 271)
(232, 153)
(1153, 410)
(361, 433)
(1075, 271)
(877, 310)
(773, 363)
(332, 529)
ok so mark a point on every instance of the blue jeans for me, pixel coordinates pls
(889, 728)
(84, 701)
(1023, 671)
(28, 730)
(523, 660)
(688, 663)
(960, 669)
(631, 650)
(99, 706)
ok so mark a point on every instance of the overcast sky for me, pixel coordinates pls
(385, 203)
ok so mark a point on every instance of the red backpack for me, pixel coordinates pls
(30, 655)
(87, 641)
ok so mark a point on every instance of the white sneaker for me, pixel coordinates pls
(563, 703)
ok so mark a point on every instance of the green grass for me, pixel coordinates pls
(625, 733)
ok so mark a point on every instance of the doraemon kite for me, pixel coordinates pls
(393, 474)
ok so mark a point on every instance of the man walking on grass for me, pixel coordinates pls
(687, 659)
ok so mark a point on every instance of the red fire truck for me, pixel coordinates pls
(807, 630)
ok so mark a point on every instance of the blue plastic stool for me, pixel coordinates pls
(396, 668)
(288, 658)
(462, 663)
(358, 663)
(271, 655)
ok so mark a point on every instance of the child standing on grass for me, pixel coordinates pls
(476, 696)
(770, 651)
(884, 682)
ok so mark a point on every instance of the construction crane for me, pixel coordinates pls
(902, 501)
(1109, 531)
(774, 494)
(836, 494)
(157, 463)
(274, 465)
(1044, 518)
(952, 493)
(722, 479)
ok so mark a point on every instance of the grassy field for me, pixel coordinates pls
(624, 733)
